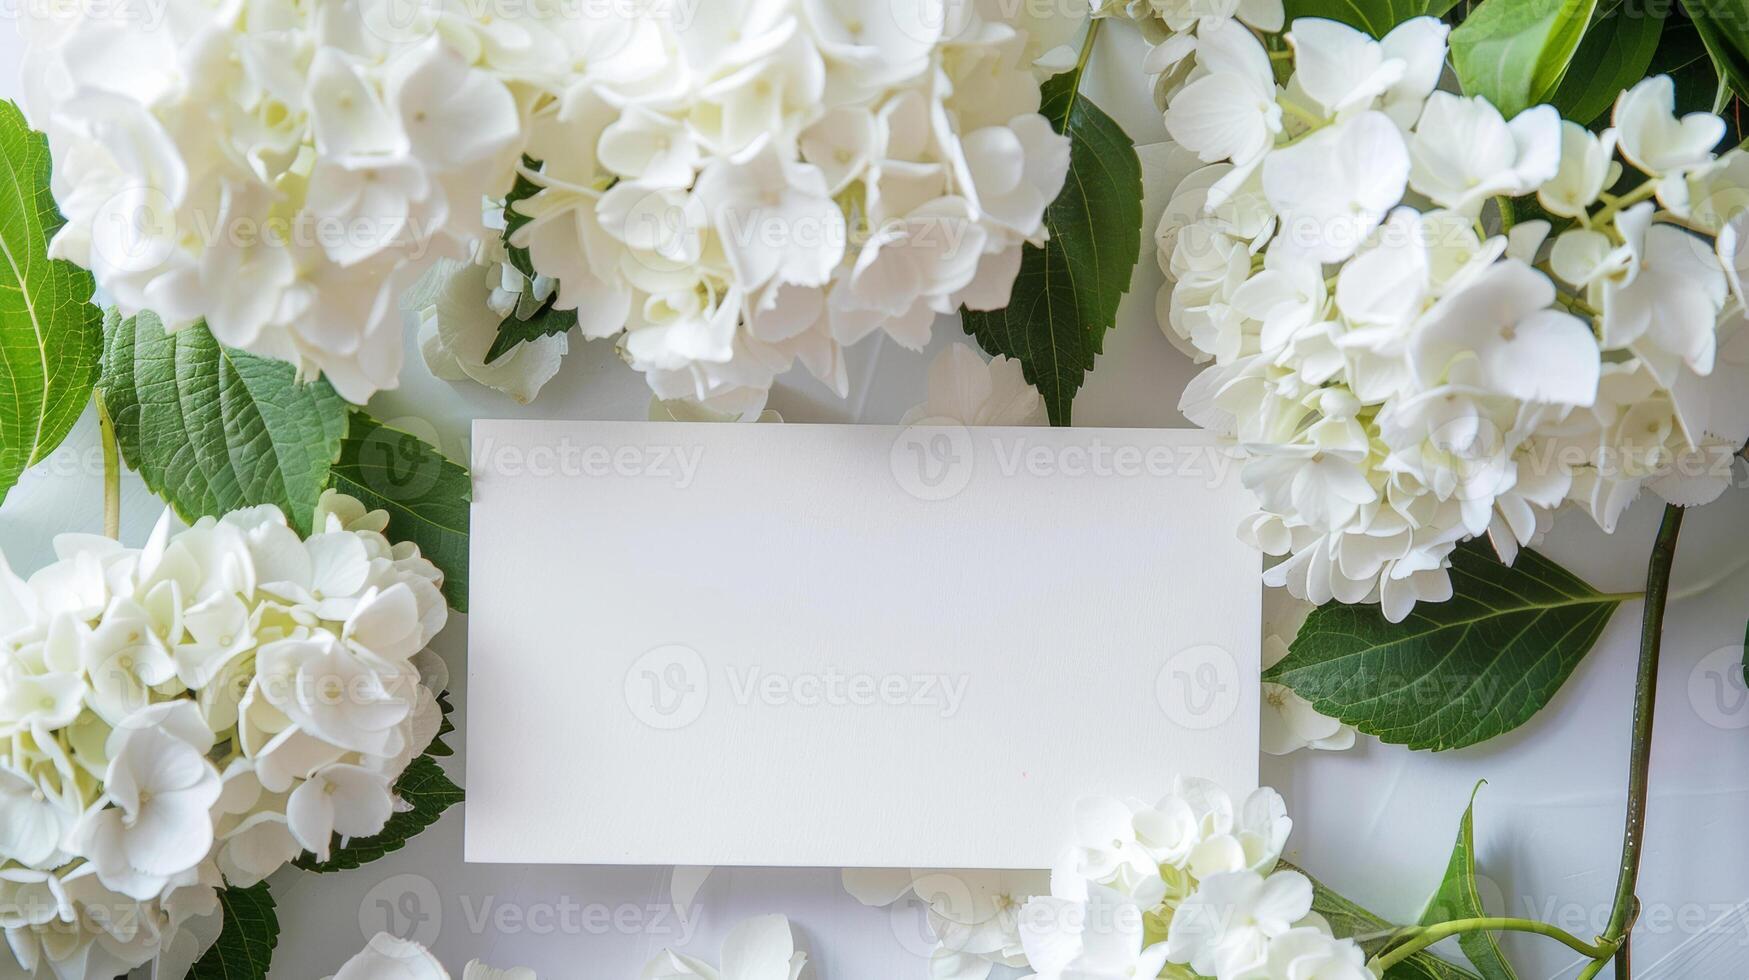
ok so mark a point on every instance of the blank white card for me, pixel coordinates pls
(826, 645)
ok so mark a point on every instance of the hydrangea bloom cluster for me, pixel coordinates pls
(1402, 378)
(200, 711)
(733, 188)
(1190, 880)
(281, 170)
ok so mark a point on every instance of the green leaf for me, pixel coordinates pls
(51, 337)
(245, 946)
(1682, 55)
(547, 321)
(1457, 898)
(1452, 673)
(1350, 921)
(425, 494)
(515, 220)
(1066, 294)
(1515, 52)
(1376, 17)
(423, 787)
(1723, 26)
(439, 748)
(211, 429)
(1616, 53)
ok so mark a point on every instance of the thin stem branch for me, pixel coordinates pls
(1640, 752)
(1421, 937)
(1087, 49)
(111, 472)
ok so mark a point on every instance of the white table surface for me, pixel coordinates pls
(1375, 822)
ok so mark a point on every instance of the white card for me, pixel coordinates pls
(830, 645)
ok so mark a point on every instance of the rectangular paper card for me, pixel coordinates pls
(831, 645)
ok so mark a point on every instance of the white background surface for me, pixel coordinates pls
(1376, 822)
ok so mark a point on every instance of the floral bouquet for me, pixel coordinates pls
(1448, 268)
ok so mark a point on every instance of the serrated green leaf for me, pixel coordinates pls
(514, 220)
(424, 787)
(1723, 26)
(51, 337)
(546, 322)
(425, 494)
(1515, 52)
(1452, 673)
(1616, 53)
(1350, 921)
(211, 429)
(1457, 898)
(245, 945)
(439, 748)
(1066, 295)
(1376, 17)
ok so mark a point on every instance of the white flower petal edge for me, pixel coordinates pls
(964, 389)
(387, 957)
(760, 948)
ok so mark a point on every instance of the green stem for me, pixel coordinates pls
(111, 472)
(1640, 752)
(1087, 49)
(1421, 937)
(1643, 192)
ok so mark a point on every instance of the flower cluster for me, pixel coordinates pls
(1400, 377)
(282, 171)
(196, 712)
(765, 181)
(1190, 881)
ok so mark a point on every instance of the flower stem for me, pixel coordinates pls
(1421, 937)
(111, 472)
(1087, 49)
(1640, 753)
(1643, 192)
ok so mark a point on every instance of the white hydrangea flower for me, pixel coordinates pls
(1290, 723)
(281, 177)
(1227, 928)
(974, 916)
(239, 695)
(760, 948)
(1187, 881)
(1402, 378)
(809, 172)
(964, 389)
(1103, 936)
